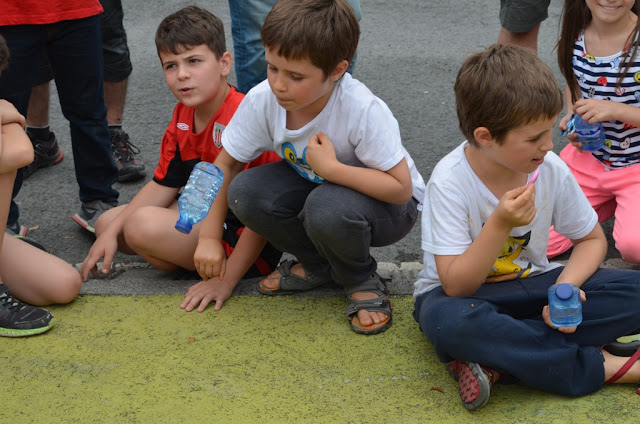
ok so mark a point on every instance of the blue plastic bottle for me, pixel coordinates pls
(591, 136)
(565, 306)
(198, 195)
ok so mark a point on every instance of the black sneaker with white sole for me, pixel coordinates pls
(45, 153)
(18, 319)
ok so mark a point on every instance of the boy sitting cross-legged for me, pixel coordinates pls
(482, 297)
(191, 47)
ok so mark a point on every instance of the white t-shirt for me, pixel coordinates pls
(457, 204)
(361, 127)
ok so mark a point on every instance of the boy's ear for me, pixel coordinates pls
(226, 61)
(339, 70)
(483, 136)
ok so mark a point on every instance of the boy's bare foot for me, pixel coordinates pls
(273, 280)
(365, 317)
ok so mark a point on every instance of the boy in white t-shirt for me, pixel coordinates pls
(346, 183)
(482, 297)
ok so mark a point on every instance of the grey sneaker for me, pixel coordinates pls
(16, 229)
(89, 213)
(19, 320)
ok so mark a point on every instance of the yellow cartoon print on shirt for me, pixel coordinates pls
(505, 267)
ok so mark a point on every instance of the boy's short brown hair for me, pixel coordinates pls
(325, 32)
(189, 27)
(503, 88)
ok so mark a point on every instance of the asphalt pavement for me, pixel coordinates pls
(409, 55)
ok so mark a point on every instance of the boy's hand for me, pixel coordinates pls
(105, 247)
(517, 207)
(547, 317)
(320, 154)
(206, 291)
(9, 114)
(209, 258)
(573, 137)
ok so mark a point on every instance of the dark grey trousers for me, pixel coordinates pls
(329, 228)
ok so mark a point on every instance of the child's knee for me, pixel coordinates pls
(629, 250)
(105, 219)
(237, 196)
(139, 226)
(67, 287)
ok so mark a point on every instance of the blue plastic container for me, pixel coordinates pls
(198, 195)
(565, 306)
(591, 136)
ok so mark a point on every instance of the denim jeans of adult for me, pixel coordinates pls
(501, 326)
(247, 17)
(328, 228)
(75, 53)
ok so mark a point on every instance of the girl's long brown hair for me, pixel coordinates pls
(576, 16)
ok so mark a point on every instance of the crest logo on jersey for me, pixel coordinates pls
(217, 134)
(182, 126)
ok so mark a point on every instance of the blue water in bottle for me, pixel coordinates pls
(565, 306)
(198, 195)
(591, 136)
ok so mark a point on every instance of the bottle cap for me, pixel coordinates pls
(183, 226)
(564, 291)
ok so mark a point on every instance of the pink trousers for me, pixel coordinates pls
(613, 192)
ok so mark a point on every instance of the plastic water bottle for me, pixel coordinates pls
(565, 306)
(198, 195)
(591, 136)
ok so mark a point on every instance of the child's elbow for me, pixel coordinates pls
(457, 290)
(403, 195)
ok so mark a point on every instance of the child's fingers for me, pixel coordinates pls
(106, 263)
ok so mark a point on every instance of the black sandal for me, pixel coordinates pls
(290, 283)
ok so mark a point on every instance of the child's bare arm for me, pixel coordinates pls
(209, 257)
(586, 257)
(16, 149)
(218, 289)
(392, 186)
(462, 275)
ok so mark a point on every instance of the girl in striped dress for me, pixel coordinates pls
(598, 56)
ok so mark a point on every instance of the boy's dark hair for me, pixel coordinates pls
(575, 17)
(4, 54)
(503, 88)
(325, 32)
(189, 27)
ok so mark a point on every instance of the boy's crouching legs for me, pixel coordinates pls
(150, 233)
(343, 224)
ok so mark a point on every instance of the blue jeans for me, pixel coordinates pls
(501, 326)
(329, 228)
(75, 53)
(247, 17)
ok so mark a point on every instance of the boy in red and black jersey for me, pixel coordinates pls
(192, 51)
